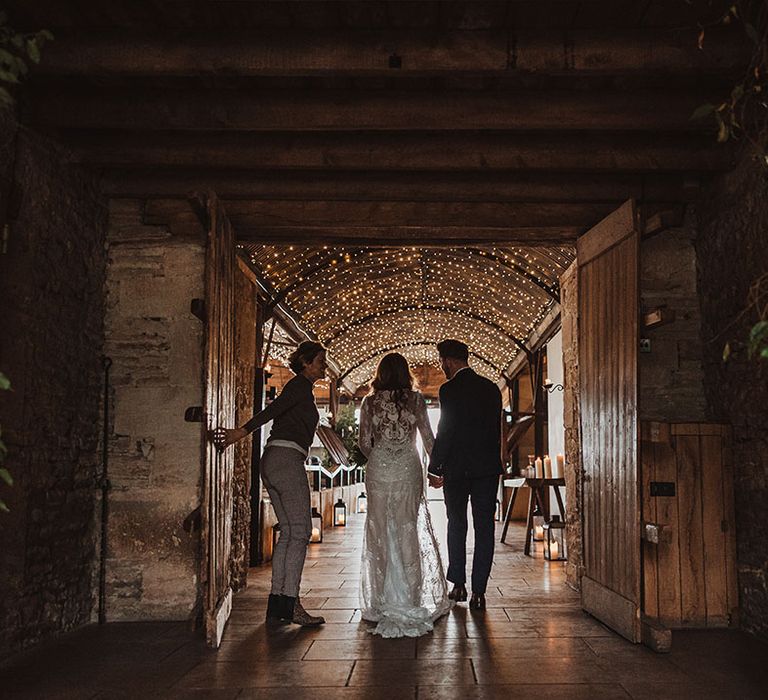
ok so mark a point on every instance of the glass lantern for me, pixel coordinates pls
(317, 527)
(554, 539)
(340, 513)
(362, 503)
(538, 524)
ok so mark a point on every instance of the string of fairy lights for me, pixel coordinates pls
(362, 302)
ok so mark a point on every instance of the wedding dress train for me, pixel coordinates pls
(402, 585)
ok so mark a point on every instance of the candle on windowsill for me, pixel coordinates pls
(539, 467)
(547, 467)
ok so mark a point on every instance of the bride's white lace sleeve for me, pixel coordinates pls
(365, 439)
(422, 422)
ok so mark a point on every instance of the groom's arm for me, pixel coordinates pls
(445, 430)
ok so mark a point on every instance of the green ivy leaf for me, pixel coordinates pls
(5, 383)
(726, 352)
(752, 33)
(702, 111)
(8, 77)
(4, 507)
(33, 50)
(759, 331)
(5, 475)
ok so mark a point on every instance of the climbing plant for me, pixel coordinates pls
(17, 50)
(743, 115)
(5, 475)
(743, 112)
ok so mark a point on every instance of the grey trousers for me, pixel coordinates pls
(282, 469)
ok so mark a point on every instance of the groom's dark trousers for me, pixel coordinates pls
(467, 454)
(481, 492)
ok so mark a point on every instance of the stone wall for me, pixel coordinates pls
(51, 305)
(732, 248)
(671, 386)
(156, 346)
(569, 310)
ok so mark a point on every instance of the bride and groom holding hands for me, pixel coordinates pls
(403, 586)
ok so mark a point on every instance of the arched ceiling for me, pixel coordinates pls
(367, 301)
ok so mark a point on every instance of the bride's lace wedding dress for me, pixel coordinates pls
(402, 585)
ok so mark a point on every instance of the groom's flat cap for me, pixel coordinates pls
(453, 348)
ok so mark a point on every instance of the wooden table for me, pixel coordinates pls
(536, 497)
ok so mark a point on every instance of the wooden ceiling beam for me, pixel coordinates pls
(451, 152)
(371, 52)
(497, 186)
(278, 213)
(433, 236)
(332, 110)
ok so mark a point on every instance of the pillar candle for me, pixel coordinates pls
(554, 550)
(539, 468)
(560, 466)
(547, 467)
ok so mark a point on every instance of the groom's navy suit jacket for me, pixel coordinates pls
(468, 441)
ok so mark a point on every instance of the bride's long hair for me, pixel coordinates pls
(393, 374)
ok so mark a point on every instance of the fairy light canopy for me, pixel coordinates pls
(364, 302)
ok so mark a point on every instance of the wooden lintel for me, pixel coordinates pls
(382, 110)
(481, 215)
(661, 221)
(428, 185)
(436, 236)
(367, 52)
(403, 152)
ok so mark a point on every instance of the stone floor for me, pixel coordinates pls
(532, 642)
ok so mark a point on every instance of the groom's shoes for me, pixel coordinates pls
(459, 593)
(477, 601)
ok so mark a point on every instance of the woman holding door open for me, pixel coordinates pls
(295, 419)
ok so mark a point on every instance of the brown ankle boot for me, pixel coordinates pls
(303, 618)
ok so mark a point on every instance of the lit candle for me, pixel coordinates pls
(315, 534)
(554, 550)
(539, 468)
(341, 519)
(547, 467)
(538, 533)
(560, 467)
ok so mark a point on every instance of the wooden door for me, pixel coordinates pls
(608, 344)
(689, 567)
(219, 409)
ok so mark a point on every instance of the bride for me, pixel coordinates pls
(402, 585)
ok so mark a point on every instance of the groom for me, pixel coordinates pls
(466, 460)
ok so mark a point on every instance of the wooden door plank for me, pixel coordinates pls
(692, 595)
(650, 551)
(613, 229)
(617, 612)
(715, 564)
(729, 516)
(668, 554)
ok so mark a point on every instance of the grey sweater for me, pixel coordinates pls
(294, 414)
